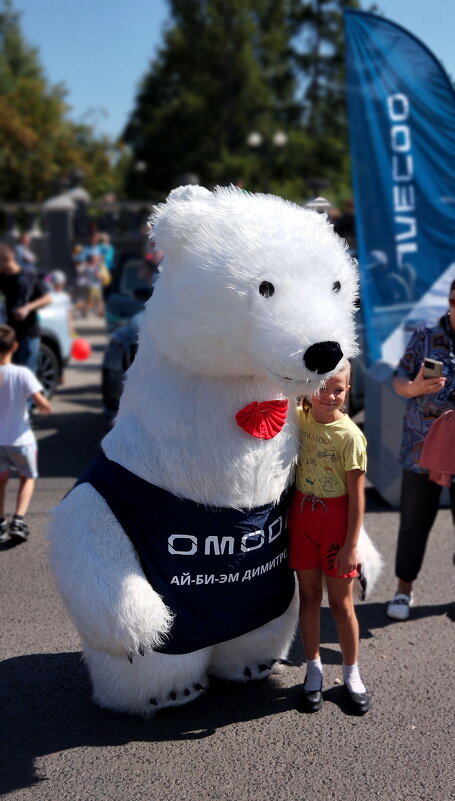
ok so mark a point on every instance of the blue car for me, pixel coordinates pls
(118, 356)
(133, 283)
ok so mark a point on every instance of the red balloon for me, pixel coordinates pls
(80, 349)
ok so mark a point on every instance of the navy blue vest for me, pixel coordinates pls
(221, 571)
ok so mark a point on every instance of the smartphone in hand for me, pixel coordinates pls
(432, 368)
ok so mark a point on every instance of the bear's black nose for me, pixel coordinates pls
(322, 357)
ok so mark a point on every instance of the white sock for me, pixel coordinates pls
(314, 675)
(352, 679)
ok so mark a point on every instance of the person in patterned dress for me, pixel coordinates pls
(428, 398)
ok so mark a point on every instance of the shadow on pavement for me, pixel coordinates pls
(76, 392)
(87, 369)
(46, 709)
(373, 616)
(78, 444)
(46, 705)
(98, 348)
(375, 503)
(85, 330)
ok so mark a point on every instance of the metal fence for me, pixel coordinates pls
(60, 223)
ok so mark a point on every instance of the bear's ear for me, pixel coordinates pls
(172, 223)
(190, 192)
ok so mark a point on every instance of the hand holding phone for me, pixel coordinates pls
(432, 368)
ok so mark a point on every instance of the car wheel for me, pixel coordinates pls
(48, 369)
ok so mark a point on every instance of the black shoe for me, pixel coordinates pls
(358, 702)
(18, 530)
(4, 532)
(311, 700)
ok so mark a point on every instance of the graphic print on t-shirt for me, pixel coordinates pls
(327, 452)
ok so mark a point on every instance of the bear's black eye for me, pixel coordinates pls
(336, 286)
(266, 289)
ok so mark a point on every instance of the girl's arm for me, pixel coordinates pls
(347, 555)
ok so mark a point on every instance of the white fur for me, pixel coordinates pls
(372, 564)
(210, 343)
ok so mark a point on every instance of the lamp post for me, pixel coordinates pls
(267, 148)
(318, 204)
(140, 169)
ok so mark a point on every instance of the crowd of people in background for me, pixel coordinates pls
(24, 290)
(94, 264)
(24, 294)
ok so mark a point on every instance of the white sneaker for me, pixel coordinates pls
(398, 607)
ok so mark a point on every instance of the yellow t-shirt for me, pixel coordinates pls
(327, 452)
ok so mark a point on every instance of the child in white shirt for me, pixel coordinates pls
(17, 441)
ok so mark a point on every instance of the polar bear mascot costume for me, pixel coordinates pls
(170, 552)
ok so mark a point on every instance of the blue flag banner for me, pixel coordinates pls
(401, 108)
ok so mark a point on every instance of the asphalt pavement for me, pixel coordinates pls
(242, 742)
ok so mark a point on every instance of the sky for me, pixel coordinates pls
(101, 49)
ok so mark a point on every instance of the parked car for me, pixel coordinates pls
(55, 348)
(133, 283)
(118, 356)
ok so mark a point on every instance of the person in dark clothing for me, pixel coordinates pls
(24, 294)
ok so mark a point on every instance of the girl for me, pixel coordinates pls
(325, 520)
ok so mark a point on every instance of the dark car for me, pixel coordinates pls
(133, 282)
(118, 356)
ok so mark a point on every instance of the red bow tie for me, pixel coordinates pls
(263, 420)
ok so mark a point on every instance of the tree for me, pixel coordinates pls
(224, 70)
(230, 67)
(319, 58)
(39, 145)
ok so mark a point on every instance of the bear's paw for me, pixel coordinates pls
(177, 697)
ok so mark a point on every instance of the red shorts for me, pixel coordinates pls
(317, 530)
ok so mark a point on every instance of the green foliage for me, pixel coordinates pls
(226, 68)
(17, 60)
(223, 71)
(229, 68)
(39, 146)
